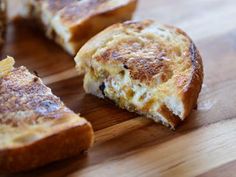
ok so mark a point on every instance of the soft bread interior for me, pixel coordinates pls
(132, 96)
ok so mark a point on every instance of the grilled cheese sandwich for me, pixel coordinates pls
(36, 128)
(144, 67)
(71, 23)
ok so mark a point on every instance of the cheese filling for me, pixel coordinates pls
(127, 93)
(6, 66)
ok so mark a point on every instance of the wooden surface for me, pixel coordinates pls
(205, 145)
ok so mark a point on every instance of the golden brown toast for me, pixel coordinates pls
(71, 23)
(36, 128)
(145, 67)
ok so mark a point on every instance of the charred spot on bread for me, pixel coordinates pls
(102, 88)
(125, 66)
(36, 79)
(36, 73)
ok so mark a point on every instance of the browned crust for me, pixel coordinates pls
(58, 146)
(172, 119)
(84, 10)
(192, 90)
(143, 67)
(99, 21)
(79, 10)
(33, 95)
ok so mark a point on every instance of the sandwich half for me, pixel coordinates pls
(145, 67)
(72, 22)
(36, 128)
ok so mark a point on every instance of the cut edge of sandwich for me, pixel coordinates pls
(174, 106)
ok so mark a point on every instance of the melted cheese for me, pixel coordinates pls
(6, 66)
(127, 92)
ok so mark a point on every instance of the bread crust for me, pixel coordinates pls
(192, 90)
(60, 145)
(172, 120)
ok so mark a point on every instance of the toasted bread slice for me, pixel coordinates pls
(71, 23)
(36, 128)
(145, 67)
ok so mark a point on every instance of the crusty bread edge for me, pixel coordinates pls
(191, 91)
(61, 145)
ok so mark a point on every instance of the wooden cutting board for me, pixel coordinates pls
(204, 145)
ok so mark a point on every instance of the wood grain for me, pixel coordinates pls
(203, 146)
(188, 155)
(120, 129)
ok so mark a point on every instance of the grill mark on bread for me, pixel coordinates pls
(23, 93)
